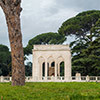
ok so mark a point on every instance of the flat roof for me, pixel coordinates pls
(51, 47)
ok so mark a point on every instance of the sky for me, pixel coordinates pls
(41, 16)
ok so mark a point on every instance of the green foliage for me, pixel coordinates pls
(86, 58)
(4, 48)
(96, 28)
(28, 69)
(86, 47)
(45, 38)
(5, 61)
(81, 24)
(51, 91)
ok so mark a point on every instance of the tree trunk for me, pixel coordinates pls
(12, 11)
(18, 69)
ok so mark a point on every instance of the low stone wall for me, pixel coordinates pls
(57, 79)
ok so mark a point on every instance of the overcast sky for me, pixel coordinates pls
(41, 16)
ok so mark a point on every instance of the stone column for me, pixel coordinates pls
(33, 68)
(46, 70)
(55, 70)
(40, 71)
(68, 67)
(65, 70)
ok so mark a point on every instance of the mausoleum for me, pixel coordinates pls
(51, 63)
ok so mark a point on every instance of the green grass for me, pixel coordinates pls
(50, 91)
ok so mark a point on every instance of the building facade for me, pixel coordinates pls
(51, 62)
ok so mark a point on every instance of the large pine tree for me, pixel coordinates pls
(12, 10)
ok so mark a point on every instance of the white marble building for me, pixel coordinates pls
(47, 62)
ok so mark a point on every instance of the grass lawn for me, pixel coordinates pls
(50, 91)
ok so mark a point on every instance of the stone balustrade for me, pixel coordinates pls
(57, 79)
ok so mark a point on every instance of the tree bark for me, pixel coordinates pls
(12, 11)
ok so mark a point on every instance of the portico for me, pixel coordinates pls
(51, 62)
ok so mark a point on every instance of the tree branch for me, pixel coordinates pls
(5, 2)
(17, 2)
(2, 3)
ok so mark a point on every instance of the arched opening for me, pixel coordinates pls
(43, 69)
(62, 68)
(48, 68)
(53, 64)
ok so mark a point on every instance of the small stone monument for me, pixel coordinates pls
(87, 78)
(2, 79)
(78, 77)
